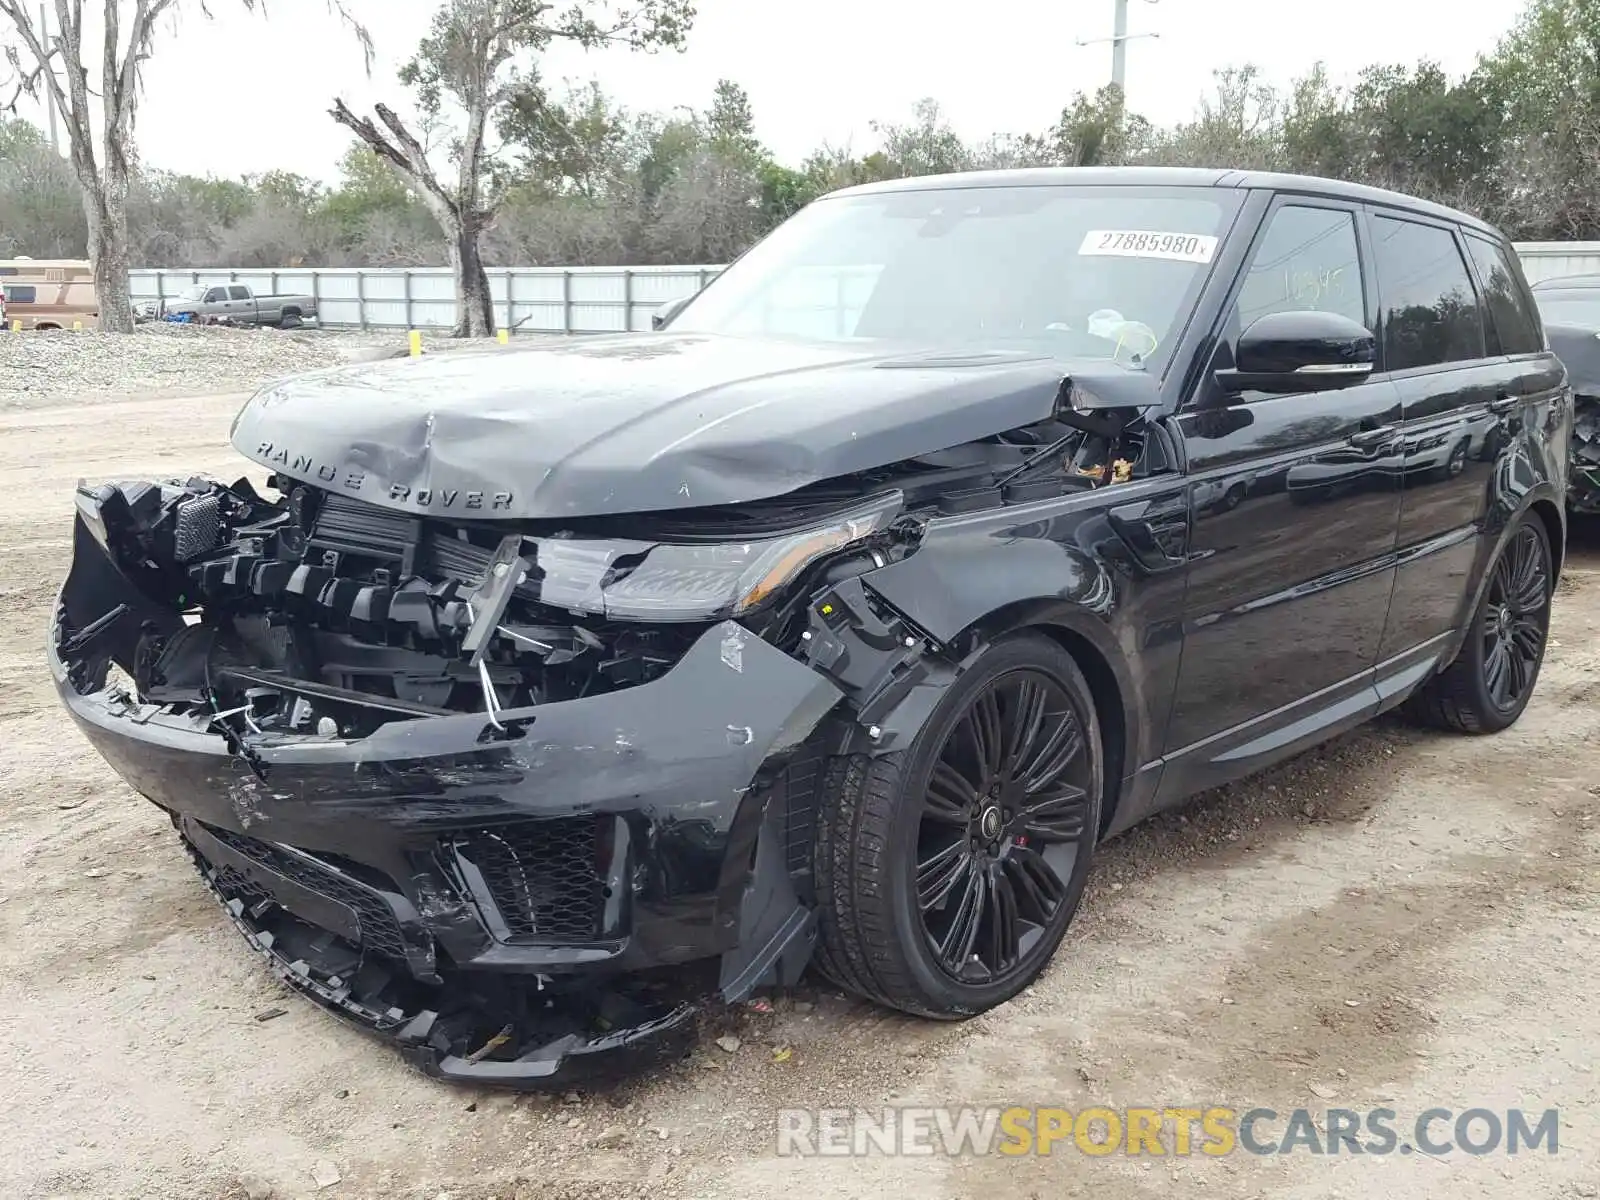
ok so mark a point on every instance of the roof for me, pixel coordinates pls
(1205, 177)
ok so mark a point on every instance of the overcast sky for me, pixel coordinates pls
(245, 93)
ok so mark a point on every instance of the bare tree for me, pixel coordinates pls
(476, 54)
(56, 67)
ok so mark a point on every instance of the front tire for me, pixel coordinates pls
(947, 873)
(1492, 678)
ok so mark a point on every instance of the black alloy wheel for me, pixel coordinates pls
(947, 873)
(1516, 619)
(1493, 676)
(1003, 819)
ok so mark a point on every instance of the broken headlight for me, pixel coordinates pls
(697, 581)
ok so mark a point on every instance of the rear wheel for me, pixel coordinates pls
(947, 873)
(1492, 678)
(290, 319)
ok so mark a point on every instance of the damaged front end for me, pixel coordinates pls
(448, 776)
(518, 794)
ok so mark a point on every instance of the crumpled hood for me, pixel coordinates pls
(633, 423)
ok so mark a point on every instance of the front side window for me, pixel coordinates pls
(1105, 272)
(1307, 259)
(1430, 310)
(1513, 317)
(215, 295)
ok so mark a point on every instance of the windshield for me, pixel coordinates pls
(1076, 271)
(195, 291)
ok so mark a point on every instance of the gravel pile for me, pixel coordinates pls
(38, 369)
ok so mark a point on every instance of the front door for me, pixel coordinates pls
(1295, 501)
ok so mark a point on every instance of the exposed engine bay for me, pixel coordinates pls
(307, 612)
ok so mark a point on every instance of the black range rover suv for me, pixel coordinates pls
(960, 524)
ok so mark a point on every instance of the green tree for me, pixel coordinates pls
(478, 57)
(61, 67)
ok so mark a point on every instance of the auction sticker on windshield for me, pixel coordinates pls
(1143, 243)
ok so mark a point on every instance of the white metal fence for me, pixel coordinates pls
(570, 299)
(526, 299)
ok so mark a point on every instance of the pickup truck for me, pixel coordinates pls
(236, 304)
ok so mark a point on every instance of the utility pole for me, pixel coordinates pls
(1119, 49)
(50, 93)
(1119, 39)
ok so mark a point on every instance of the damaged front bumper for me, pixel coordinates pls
(494, 893)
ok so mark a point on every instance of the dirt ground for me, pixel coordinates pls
(1398, 919)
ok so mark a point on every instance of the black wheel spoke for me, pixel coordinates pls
(1061, 745)
(1005, 929)
(1057, 816)
(1496, 671)
(1528, 636)
(955, 948)
(950, 797)
(1517, 672)
(986, 734)
(940, 872)
(1027, 719)
(1039, 889)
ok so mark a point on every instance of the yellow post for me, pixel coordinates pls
(77, 327)
(16, 326)
(505, 336)
(416, 342)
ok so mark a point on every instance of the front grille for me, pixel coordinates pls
(380, 931)
(355, 527)
(543, 876)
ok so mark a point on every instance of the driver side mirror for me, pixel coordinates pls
(1300, 351)
(659, 318)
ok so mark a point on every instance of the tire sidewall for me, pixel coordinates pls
(1015, 652)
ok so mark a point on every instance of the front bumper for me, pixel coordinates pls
(496, 906)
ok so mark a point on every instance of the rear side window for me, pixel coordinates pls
(238, 293)
(1430, 310)
(1512, 315)
(1308, 258)
(21, 293)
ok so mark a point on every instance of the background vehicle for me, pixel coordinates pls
(237, 304)
(1571, 309)
(49, 293)
(842, 617)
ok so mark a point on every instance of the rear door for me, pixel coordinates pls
(1294, 500)
(1457, 390)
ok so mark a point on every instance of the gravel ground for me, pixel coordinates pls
(161, 360)
(1399, 919)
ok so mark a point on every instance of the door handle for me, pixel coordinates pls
(1369, 439)
(1503, 402)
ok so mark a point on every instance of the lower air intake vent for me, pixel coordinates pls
(542, 876)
